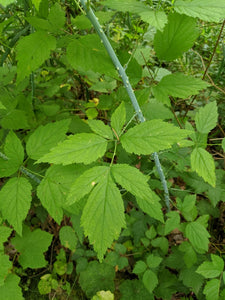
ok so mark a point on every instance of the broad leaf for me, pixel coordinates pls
(172, 221)
(206, 118)
(153, 261)
(177, 37)
(100, 128)
(46, 137)
(103, 215)
(198, 236)
(5, 266)
(158, 19)
(11, 289)
(14, 155)
(211, 289)
(68, 238)
(15, 199)
(32, 51)
(80, 148)
(207, 10)
(203, 164)
(35, 242)
(136, 183)
(140, 267)
(150, 280)
(211, 269)
(151, 136)
(87, 53)
(118, 118)
(56, 18)
(191, 279)
(85, 183)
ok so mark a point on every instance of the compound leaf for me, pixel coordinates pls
(211, 269)
(100, 128)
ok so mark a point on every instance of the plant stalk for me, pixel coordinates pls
(91, 16)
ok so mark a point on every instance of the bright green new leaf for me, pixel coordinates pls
(211, 289)
(31, 247)
(87, 53)
(177, 37)
(36, 4)
(54, 188)
(172, 221)
(85, 183)
(158, 19)
(6, 2)
(46, 137)
(5, 266)
(198, 236)
(32, 51)
(136, 183)
(14, 155)
(118, 118)
(56, 18)
(211, 269)
(11, 289)
(206, 118)
(203, 164)
(15, 119)
(207, 10)
(177, 85)
(150, 280)
(103, 215)
(151, 136)
(79, 148)
(140, 267)
(100, 128)
(68, 238)
(15, 199)
(2, 106)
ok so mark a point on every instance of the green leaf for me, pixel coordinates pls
(203, 164)
(188, 207)
(15, 199)
(150, 280)
(136, 183)
(191, 279)
(2, 106)
(153, 261)
(207, 10)
(198, 236)
(190, 256)
(85, 183)
(68, 238)
(5, 266)
(211, 289)
(177, 37)
(151, 136)
(11, 289)
(172, 221)
(46, 137)
(5, 232)
(56, 18)
(103, 295)
(32, 51)
(87, 53)
(135, 290)
(118, 118)
(54, 188)
(103, 215)
(162, 243)
(132, 6)
(211, 269)
(15, 119)
(31, 247)
(80, 148)
(206, 118)
(158, 19)
(140, 267)
(177, 85)
(14, 153)
(36, 3)
(100, 128)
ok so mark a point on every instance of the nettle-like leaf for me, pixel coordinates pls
(150, 280)
(207, 10)
(46, 137)
(56, 18)
(158, 19)
(203, 164)
(177, 85)
(198, 236)
(14, 155)
(11, 288)
(80, 148)
(118, 118)
(32, 51)
(15, 199)
(136, 183)
(211, 289)
(211, 269)
(177, 37)
(100, 128)
(31, 247)
(103, 215)
(206, 118)
(87, 53)
(151, 136)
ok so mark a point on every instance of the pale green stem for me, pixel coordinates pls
(91, 16)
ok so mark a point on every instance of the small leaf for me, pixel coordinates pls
(68, 238)
(150, 280)
(5, 266)
(118, 118)
(211, 289)
(100, 128)
(35, 242)
(46, 137)
(153, 261)
(151, 136)
(56, 18)
(80, 148)
(211, 269)
(15, 199)
(140, 267)
(172, 222)
(198, 236)
(158, 19)
(177, 37)
(103, 215)
(206, 118)
(203, 164)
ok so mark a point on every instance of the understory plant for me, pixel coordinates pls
(112, 150)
